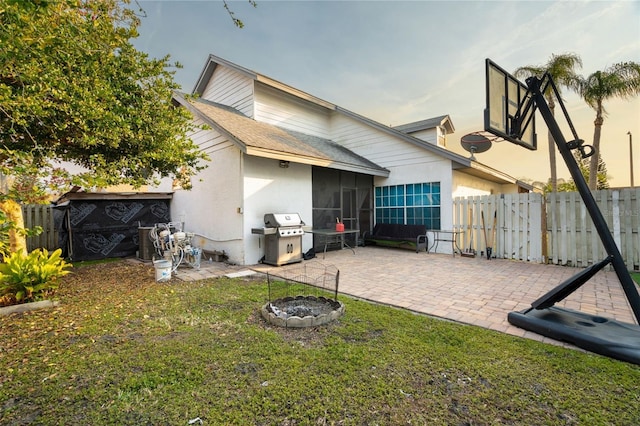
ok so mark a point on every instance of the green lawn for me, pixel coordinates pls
(122, 349)
(636, 277)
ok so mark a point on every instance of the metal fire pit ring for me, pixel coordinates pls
(302, 311)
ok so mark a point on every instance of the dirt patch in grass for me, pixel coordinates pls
(309, 337)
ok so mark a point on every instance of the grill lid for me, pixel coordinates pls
(282, 219)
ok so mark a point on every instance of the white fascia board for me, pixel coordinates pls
(496, 174)
(312, 161)
(294, 92)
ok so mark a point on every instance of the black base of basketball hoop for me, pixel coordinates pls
(594, 333)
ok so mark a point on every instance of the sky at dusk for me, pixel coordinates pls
(398, 62)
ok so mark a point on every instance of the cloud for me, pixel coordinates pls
(398, 62)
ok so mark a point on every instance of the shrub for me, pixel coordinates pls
(31, 277)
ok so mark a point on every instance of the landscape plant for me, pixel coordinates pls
(123, 349)
(31, 277)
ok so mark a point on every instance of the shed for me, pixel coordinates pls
(100, 225)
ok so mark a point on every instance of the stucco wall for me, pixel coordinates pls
(465, 185)
(211, 207)
(269, 188)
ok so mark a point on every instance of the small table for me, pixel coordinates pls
(331, 235)
(448, 236)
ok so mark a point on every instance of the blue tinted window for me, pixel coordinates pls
(416, 203)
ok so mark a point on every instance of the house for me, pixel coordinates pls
(277, 149)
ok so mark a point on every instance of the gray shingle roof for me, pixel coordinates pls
(266, 140)
(403, 132)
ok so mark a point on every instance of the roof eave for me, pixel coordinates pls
(209, 122)
(430, 123)
(485, 172)
(448, 124)
(314, 161)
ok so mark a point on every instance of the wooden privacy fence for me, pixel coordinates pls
(555, 228)
(40, 215)
(573, 239)
(512, 225)
(569, 236)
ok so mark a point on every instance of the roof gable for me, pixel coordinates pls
(214, 61)
(459, 162)
(266, 140)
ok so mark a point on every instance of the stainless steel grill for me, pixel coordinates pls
(282, 238)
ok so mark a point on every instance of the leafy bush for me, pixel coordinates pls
(31, 277)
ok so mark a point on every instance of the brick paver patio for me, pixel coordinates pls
(474, 291)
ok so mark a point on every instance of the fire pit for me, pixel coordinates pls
(304, 296)
(302, 311)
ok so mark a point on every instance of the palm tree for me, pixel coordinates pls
(561, 69)
(621, 80)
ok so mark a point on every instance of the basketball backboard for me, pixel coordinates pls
(510, 113)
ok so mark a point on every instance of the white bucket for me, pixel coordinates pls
(163, 270)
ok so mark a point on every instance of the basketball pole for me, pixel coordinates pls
(615, 257)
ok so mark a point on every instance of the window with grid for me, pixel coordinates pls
(411, 204)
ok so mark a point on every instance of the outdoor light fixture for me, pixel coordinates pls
(284, 164)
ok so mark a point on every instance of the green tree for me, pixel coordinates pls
(602, 173)
(562, 69)
(237, 22)
(621, 80)
(74, 89)
(583, 165)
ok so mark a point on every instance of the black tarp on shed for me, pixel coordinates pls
(99, 225)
